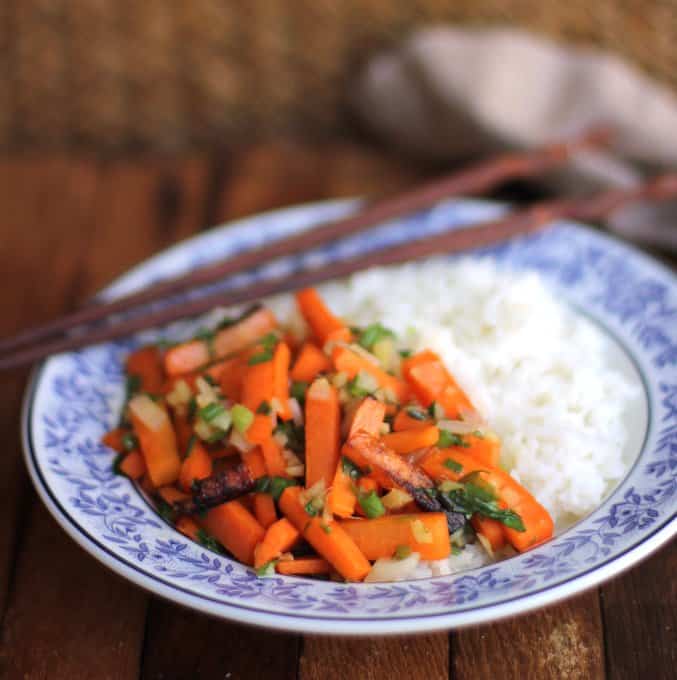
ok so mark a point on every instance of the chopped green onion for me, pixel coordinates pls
(402, 552)
(208, 541)
(350, 469)
(325, 527)
(129, 441)
(267, 569)
(310, 508)
(209, 379)
(362, 385)
(165, 510)
(264, 408)
(262, 484)
(416, 413)
(455, 550)
(371, 504)
(212, 411)
(448, 439)
(269, 341)
(405, 353)
(298, 391)
(453, 465)
(261, 358)
(372, 334)
(192, 408)
(242, 418)
(190, 445)
(279, 484)
(132, 384)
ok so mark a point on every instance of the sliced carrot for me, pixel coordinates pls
(184, 431)
(188, 527)
(351, 363)
(274, 460)
(322, 322)
(431, 382)
(341, 497)
(196, 465)
(328, 538)
(310, 362)
(281, 359)
(537, 522)
(426, 533)
(157, 439)
(264, 509)
(113, 439)
(411, 440)
(491, 529)
(368, 417)
(323, 421)
(405, 421)
(236, 529)
(133, 465)
(146, 363)
(261, 429)
(230, 376)
(257, 385)
(189, 356)
(486, 448)
(171, 494)
(280, 538)
(253, 459)
(303, 566)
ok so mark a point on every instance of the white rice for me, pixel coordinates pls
(540, 375)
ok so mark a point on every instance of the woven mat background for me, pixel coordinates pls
(175, 74)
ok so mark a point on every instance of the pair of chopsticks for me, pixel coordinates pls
(92, 324)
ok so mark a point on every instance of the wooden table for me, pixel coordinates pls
(67, 227)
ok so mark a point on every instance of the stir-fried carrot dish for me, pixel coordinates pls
(342, 455)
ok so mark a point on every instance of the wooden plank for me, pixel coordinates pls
(184, 644)
(424, 657)
(564, 641)
(640, 619)
(67, 616)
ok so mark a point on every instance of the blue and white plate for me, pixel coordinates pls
(74, 398)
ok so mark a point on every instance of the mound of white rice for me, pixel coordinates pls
(540, 375)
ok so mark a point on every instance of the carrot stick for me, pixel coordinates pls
(188, 527)
(236, 529)
(328, 538)
(281, 359)
(537, 522)
(491, 529)
(426, 533)
(264, 509)
(430, 381)
(322, 322)
(341, 497)
(349, 362)
(132, 465)
(303, 566)
(189, 356)
(230, 376)
(184, 431)
(261, 429)
(257, 385)
(310, 362)
(410, 440)
(486, 448)
(323, 420)
(146, 364)
(171, 494)
(253, 459)
(274, 460)
(196, 465)
(404, 421)
(368, 417)
(157, 439)
(279, 538)
(113, 439)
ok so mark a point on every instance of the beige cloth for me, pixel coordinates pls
(455, 93)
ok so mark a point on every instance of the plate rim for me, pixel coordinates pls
(340, 625)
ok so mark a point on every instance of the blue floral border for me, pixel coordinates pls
(78, 395)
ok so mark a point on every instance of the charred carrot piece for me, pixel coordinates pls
(189, 356)
(196, 465)
(411, 440)
(281, 359)
(327, 538)
(146, 364)
(322, 322)
(351, 363)
(236, 529)
(453, 464)
(323, 419)
(280, 537)
(157, 439)
(310, 362)
(303, 566)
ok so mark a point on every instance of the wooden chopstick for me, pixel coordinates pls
(517, 223)
(475, 180)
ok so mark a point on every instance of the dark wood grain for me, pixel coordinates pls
(564, 641)
(424, 657)
(640, 619)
